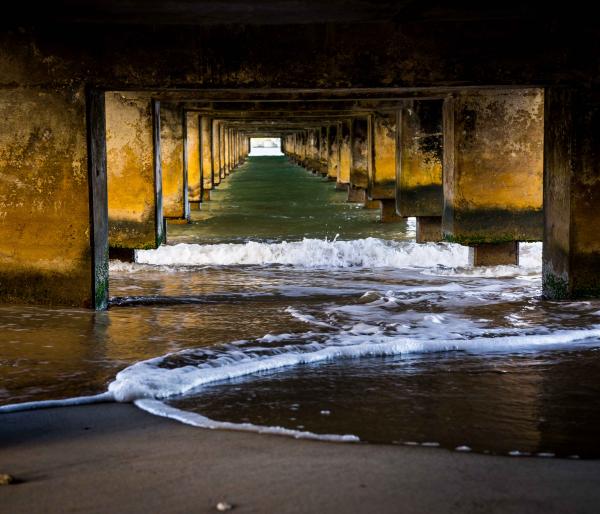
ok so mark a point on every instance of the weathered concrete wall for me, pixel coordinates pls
(333, 161)
(192, 145)
(571, 255)
(420, 157)
(134, 172)
(345, 152)
(206, 157)
(493, 162)
(361, 152)
(382, 174)
(45, 252)
(172, 150)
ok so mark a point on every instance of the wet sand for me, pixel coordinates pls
(116, 458)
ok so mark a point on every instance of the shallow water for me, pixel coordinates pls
(284, 306)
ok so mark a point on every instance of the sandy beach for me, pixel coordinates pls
(116, 458)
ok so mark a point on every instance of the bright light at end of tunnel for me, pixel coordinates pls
(265, 146)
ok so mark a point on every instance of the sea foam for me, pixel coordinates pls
(319, 253)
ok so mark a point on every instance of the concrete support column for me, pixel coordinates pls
(222, 154)
(216, 152)
(135, 211)
(419, 188)
(174, 169)
(343, 180)
(571, 257)
(194, 170)
(382, 173)
(53, 248)
(206, 156)
(333, 145)
(323, 150)
(493, 162)
(361, 159)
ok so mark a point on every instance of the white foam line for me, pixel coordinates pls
(67, 402)
(146, 379)
(159, 408)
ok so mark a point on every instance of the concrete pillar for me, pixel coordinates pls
(222, 154)
(194, 171)
(216, 152)
(206, 156)
(571, 256)
(388, 211)
(494, 254)
(173, 165)
(343, 180)
(429, 229)
(135, 211)
(419, 188)
(493, 162)
(361, 158)
(382, 173)
(333, 145)
(323, 150)
(53, 248)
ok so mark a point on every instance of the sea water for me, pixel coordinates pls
(283, 309)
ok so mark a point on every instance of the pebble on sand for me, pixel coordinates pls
(6, 479)
(223, 506)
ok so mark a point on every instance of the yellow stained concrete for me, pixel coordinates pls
(361, 142)
(333, 163)
(498, 164)
(345, 153)
(420, 155)
(132, 187)
(216, 152)
(382, 177)
(206, 152)
(174, 184)
(44, 213)
(192, 141)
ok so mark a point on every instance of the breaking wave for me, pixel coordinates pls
(318, 253)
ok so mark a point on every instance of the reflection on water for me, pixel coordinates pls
(421, 350)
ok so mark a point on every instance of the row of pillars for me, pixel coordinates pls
(82, 169)
(162, 161)
(484, 168)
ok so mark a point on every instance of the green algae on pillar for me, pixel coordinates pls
(493, 162)
(571, 253)
(134, 179)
